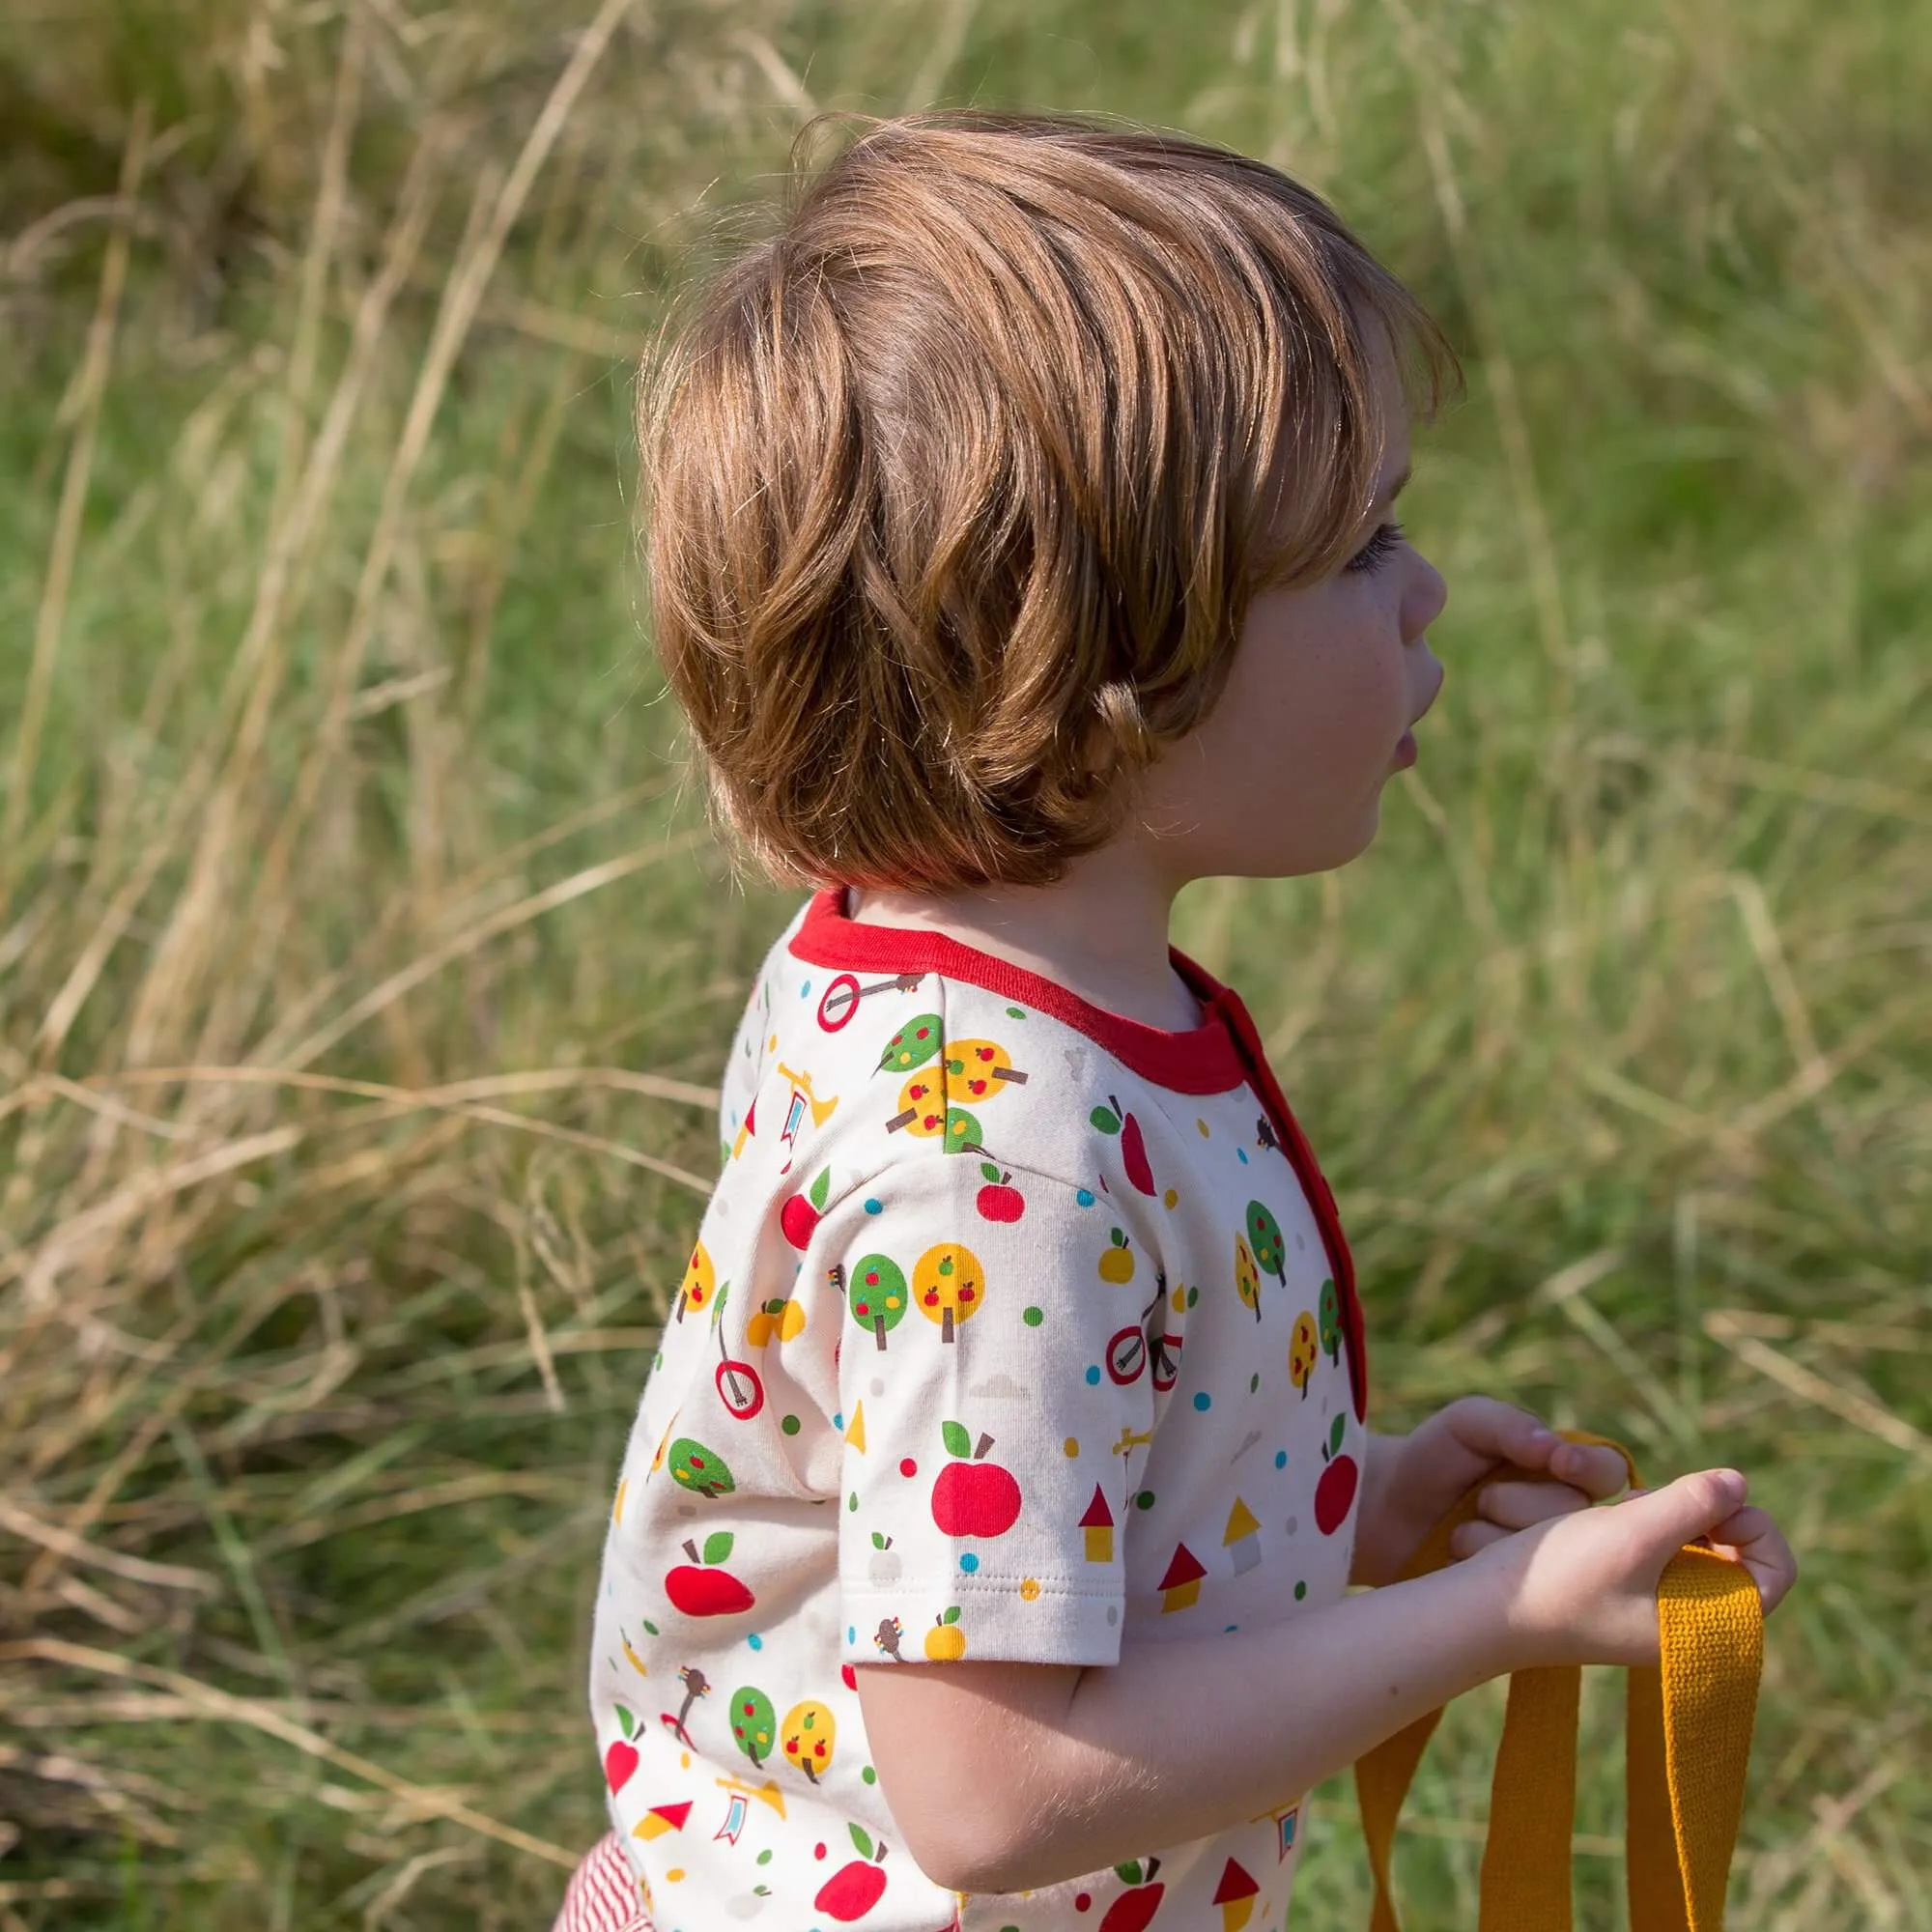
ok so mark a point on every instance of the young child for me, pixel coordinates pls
(1021, 550)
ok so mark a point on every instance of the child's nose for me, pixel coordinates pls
(1423, 600)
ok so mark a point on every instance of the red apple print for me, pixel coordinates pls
(799, 1215)
(852, 1890)
(1114, 1118)
(997, 1200)
(1335, 1492)
(973, 1497)
(619, 1762)
(699, 1590)
(1133, 1911)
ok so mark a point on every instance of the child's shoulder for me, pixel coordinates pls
(863, 1045)
(873, 1054)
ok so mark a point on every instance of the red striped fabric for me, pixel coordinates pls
(601, 1895)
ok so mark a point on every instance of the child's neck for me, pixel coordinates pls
(1101, 932)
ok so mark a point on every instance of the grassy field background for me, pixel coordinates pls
(365, 968)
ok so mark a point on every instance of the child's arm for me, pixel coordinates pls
(1005, 1777)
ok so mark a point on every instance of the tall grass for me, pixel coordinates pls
(365, 969)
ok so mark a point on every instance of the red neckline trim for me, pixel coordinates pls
(1204, 1059)
(1223, 1053)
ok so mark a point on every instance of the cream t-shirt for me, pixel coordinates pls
(1012, 1328)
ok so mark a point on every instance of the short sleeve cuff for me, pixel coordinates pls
(1024, 1620)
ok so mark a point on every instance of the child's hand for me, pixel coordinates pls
(1411, 1480)
(1582, 1588)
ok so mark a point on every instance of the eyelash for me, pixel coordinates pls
(1376, 551)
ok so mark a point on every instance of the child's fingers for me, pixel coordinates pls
(1519, 1505)
(1511, 1434)
(1496, 1431)
(1467, 1538)
(1748, 1536)
(1751, 1537)
(1598, 1472)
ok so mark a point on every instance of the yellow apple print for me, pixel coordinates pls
(782, 1317)
(946, 1641)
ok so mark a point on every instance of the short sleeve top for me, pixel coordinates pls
(1012, 1328)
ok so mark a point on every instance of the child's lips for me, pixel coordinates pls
(1406, 753)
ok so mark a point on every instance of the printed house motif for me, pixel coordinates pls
(1242, 1540)
(1236, 1895)
(1098, 1523)
(662, 1818)
(1181, 1587)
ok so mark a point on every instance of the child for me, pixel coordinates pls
(1021, 550)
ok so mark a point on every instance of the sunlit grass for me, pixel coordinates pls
(365, 967)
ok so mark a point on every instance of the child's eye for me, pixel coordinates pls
(1378, 550)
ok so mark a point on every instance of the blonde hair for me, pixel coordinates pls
(959, 485)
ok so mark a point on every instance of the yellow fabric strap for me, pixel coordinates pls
(1689, 1743)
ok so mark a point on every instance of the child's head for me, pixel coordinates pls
(965, 486)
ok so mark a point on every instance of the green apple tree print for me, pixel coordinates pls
(878, 1296)
(1270, 1251)
(1328, 1311)
(701, 1470)
(913, 1045)
(755, 1722)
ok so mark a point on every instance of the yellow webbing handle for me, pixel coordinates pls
(1689, 1729)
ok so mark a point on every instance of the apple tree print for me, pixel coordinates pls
(1301, 1352)
(808, 1734)
(700, 1470)
(1247, 1277)
(878, 1296)
(1270, 1251)
(755, 1724)
(1329, 1313)
(915, 1043)
(950, 1285)
(978, 1072)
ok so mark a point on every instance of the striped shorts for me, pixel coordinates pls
(603, 1893)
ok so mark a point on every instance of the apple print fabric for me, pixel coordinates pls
(1012, 1328)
